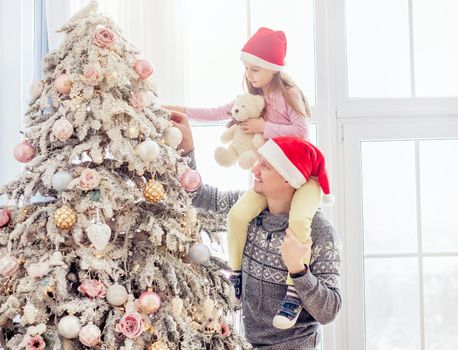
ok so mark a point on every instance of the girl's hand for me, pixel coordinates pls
(293, 252)
(253, 126)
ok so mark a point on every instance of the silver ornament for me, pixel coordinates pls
(199, 253)
(60, 180)
(172, 136)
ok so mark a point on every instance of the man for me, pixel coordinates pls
(271, 252)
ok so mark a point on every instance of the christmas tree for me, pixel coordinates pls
(113, 257)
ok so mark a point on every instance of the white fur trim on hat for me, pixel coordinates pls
(250, 58)
(275, 156)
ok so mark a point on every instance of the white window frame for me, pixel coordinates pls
(344, 123)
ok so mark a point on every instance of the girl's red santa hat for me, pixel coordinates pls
(266, 49)
(297, 160)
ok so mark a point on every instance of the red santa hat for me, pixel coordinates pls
(266, 49)
(297, 160)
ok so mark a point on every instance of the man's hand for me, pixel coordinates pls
(293, 252)
(253, 126)
(180, 121)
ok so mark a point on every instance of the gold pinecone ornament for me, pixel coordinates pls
(65, 217)
(154, 191)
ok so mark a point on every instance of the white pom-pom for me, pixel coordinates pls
(328, 199)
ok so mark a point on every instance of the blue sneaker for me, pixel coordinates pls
(288, 313)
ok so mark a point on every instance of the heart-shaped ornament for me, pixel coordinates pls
(99, 235)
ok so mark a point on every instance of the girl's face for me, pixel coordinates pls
(259, 77)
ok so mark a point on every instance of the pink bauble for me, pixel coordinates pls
(148, 302)
(5, 217)
(90, 335)
(143, 68)
(89, 179)
(63, 84)
(190, 180)
(62, 129)
(24, 152)
(8, 266)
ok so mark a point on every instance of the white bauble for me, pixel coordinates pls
(148, 150)
(99, 235)
(60, 180)
(89, 335)
(172, 136)
(116, 295)
(69, 326)
(199, 253)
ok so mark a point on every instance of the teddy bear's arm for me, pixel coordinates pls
(228, 135)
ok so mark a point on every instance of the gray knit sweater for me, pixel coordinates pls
(264, 275)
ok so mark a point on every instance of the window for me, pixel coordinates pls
(410, 243)
(401, 48)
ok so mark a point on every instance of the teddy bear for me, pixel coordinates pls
(242, 147)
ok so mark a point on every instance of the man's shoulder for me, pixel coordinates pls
(323, 230)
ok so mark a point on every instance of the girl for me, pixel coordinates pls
(287, 113)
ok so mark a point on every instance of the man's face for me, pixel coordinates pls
(267, 181)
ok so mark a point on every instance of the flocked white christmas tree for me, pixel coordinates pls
(113, 258)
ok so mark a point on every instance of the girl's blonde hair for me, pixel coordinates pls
(282, 82)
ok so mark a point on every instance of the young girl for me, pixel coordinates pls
(286, 114)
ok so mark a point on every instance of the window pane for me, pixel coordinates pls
(436, 49)
(391, 304)
(441, 308)
(378, 55)
(206, 140)
(389, 196)
(296, 19)
(215, 34)
(439, 193)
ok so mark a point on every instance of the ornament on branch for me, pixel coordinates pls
(116, 295)
(92, 73)
(24, 152)
(154, 191)
(69, 326)
(190, 180)
(61, 180)
(93, 289)
(148, 150)
(104, 37)
(63, 84)
(148, 302)
(143, 68)
(5, 217)
(99, 235)
(172, 136)
(90, 335)
(199, 253)
(131, 325)
(62, 129)
(9, 265)
(65, 217)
